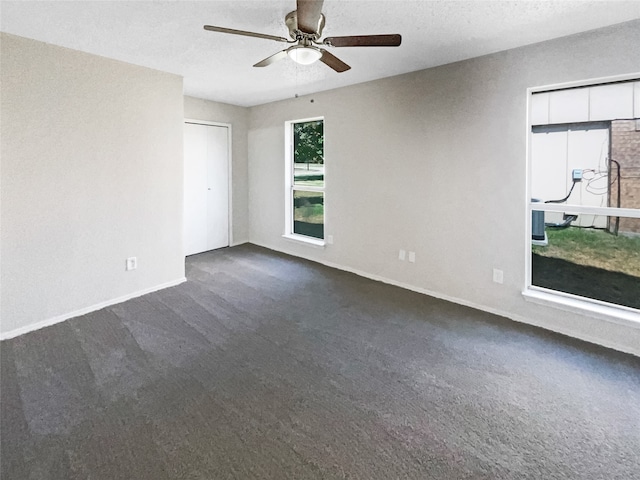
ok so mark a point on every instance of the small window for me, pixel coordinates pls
(305, 180)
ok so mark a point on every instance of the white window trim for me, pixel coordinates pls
(569, 208)
(289, 188)
(313, 242)
(618, 314)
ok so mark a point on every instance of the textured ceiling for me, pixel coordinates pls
(168, 36)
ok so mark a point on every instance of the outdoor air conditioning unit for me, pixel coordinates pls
(538, 234)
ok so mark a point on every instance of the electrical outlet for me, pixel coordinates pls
(132, 263)
(401, 255)
(412, 257)
(330, 239)
(498, 276)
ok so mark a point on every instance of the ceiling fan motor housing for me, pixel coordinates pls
(291, 20)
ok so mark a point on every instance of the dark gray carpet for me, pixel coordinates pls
(264, 366)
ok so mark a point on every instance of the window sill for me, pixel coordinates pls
(312, 242)
(620, 315)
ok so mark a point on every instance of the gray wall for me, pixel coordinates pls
(238, 117)
(434, 162)
(91, 174)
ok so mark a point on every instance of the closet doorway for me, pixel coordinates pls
(207, 170)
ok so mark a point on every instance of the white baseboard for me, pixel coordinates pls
(460, 301)
(83, 311)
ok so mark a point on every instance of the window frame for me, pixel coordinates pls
(565, 301)
(290, 187)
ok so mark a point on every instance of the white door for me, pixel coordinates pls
(206, 187)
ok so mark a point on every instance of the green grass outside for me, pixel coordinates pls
(595, 248)
(310, 213)
(310, 181)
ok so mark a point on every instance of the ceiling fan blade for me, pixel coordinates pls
(333, 61)
(211, 28)
(308, 12)
(272, 59)
(392, 40)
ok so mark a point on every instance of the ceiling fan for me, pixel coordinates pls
(305, 29)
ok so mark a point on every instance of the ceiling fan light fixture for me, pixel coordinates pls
(304, 55)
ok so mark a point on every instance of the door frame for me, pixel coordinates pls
(230, 169)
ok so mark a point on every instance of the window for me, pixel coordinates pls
(584, 196)
(305, 195)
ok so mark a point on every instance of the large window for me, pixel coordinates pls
(305, 180)
(584, 186)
